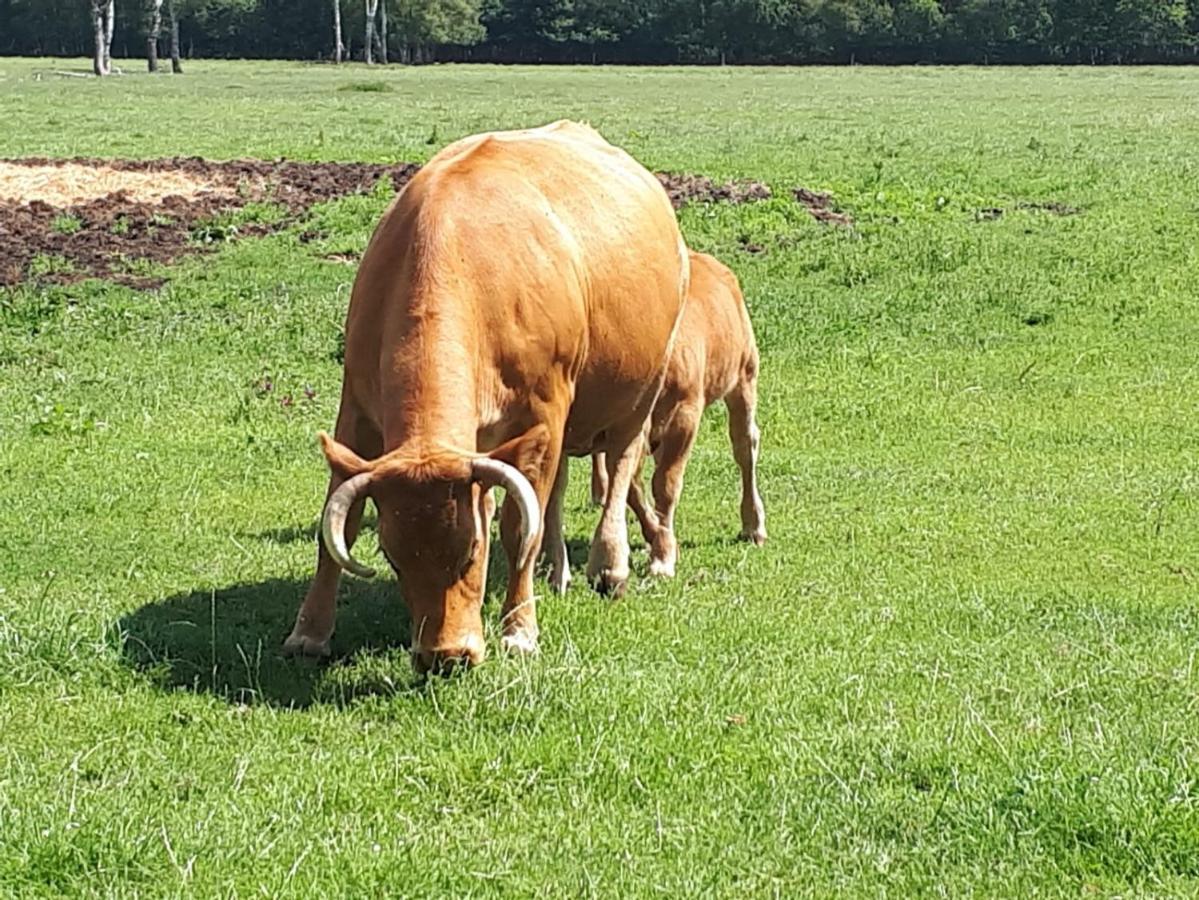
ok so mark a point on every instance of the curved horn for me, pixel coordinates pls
(333, 523)
(493, 471)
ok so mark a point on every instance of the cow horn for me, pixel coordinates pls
(490, 472)
(333, 523)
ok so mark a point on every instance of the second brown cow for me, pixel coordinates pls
(715, 357)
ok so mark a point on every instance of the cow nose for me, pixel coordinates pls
(445, 660)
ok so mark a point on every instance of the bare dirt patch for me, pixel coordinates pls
(821, 206)
(101, 218)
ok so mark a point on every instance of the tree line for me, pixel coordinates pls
(628, 31)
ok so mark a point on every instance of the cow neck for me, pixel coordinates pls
(430, 396)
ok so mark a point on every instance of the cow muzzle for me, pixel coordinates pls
(449, 658)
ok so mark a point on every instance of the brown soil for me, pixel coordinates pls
(820, 205)
(98, 218)
(684, 189)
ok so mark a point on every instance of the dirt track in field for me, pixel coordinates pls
(63, 220)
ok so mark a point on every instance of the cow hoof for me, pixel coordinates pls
(661, 568)
(521, 643)
(302, 645)
(560, 581)
(609, 583)
(757, 538)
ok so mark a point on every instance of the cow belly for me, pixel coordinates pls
(616, 387)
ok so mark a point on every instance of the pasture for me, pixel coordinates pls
(963, 664)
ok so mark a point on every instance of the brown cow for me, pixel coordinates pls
(714, 358)
(516, 304)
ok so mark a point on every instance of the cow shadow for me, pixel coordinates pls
(227, 642)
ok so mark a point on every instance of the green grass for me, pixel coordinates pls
(963, 665)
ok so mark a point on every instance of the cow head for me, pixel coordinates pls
(434, 517)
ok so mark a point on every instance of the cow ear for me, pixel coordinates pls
(342, 460)
(527, 452)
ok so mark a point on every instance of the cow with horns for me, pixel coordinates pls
(516, 305)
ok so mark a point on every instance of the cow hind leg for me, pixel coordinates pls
(313, 629)
(519, 613)
(743, 430)
(670, 463)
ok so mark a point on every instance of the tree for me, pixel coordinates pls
(383, 32)
(103, 20)
(338, 46)
(152, 35)
(176, 65)
(371, 7)
(426, 23)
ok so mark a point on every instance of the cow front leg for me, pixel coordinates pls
(554, 542)
(313, 629)
(646, 517)
(519, 614)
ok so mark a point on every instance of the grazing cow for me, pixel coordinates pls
(714, 358)
(516, 304)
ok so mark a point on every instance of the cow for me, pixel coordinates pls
(516, 304)
(714, 357)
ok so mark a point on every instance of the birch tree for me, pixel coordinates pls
(103, 17)
(338, 47)
(372, 6)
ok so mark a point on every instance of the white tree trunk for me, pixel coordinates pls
(100, 37)
(109, 22)
(338, 46)
(372, 7)
(153, 34)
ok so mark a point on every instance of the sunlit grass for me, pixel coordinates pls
(963, 664)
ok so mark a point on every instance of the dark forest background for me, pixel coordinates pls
(637, 31)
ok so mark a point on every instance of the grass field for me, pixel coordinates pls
(963, 665)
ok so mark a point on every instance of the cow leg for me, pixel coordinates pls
(746, 437)
(519, 613)
(599, 479)
(599, 490)
(553, 542)
(314, 622)
(670, 462)
(608, 561)
(646, 517)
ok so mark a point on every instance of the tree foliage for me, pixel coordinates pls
(736, 31)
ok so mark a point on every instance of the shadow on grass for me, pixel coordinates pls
(228, 642)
